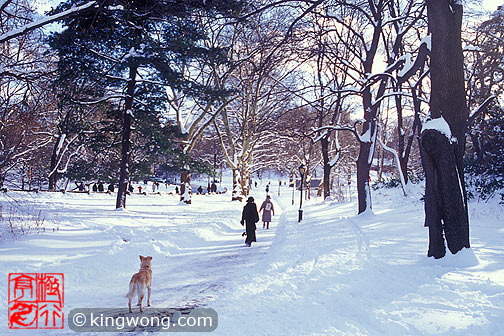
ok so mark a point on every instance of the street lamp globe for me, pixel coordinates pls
(302, 169)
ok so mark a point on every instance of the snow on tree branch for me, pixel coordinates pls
(480, 108)
(42, 22)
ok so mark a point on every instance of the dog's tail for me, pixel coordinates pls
(132, 290)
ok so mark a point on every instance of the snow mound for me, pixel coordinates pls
(465, 258)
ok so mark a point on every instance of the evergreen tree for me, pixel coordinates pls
(487, 172)
(130, 49)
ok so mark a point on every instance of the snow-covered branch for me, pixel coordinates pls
(64, 170)
(398, 163)
(352, 129)
(483, 106)
(42, 22)
(100, 100)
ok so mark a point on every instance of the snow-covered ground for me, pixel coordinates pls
(332, 274)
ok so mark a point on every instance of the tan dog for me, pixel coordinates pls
(139, 282)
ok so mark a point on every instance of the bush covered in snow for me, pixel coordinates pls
(485, 172)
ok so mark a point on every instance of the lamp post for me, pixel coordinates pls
(302, 170)
(293, 185)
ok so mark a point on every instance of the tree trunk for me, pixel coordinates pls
(324, 142)
(126, 142)
(363, 167)
(475, 139)
(234, 195)
(53, 178)
(243, 181)
(403, 163)
(364, 160)
(445, 194)
(185, 187)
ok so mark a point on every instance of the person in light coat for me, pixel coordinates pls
(267, 211)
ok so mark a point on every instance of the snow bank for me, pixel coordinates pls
(342, 274)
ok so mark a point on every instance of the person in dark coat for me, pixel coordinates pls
(250, 216)
(100, 186)
(111, 187)
(95, 187)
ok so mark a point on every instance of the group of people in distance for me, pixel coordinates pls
(250, 216)
(155, 186)
(211, 188)
(97, 187)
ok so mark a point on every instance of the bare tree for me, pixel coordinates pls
(329, 85)
(245, 127)
(25, 99)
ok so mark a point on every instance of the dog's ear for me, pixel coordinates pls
(141, 258)
(149, 258)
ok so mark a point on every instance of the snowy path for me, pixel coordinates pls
(340, 274)
(332, 274)
(196, 249)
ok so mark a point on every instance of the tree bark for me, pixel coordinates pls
(324, 142)
(403, 160)
(363, 167)
(234, 195)
(442, 158)
(364, 161)
(53, 179)
(185, 187)
(126, 142)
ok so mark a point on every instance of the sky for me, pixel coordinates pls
(492, 4)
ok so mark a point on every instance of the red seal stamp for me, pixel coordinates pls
(36, 300)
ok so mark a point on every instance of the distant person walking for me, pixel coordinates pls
(250, 216)
(100, 186)
(267, 211)
(153, 186)
(110, 187)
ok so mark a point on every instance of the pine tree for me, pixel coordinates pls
(486, 171)
(130, 49)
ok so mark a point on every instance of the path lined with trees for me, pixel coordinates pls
(127, 89)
